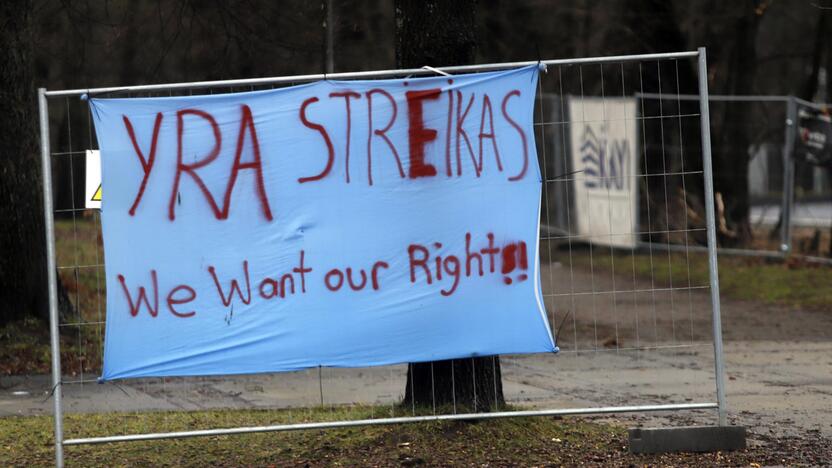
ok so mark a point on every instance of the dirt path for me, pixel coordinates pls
(640, 312)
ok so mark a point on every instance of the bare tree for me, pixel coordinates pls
(23, 291)
(440, 33)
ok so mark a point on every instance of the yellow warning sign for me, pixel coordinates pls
(92, 186)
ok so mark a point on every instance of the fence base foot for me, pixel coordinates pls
(687, 439)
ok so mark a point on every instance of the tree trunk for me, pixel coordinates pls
(669, 146)
(455, 385)
(23, 291)
(440, 33)
(23, 284)
(810, 86)
(738, 57)
(828, 98)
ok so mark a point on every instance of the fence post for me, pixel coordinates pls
(705, 121)
(788, 177)
(52, 274)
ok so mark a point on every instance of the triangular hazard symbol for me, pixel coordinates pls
(97, 195)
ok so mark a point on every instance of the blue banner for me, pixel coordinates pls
(338, 223)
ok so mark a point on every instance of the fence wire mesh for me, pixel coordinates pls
(633, 323)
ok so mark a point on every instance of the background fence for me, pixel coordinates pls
(639, 330)
(789, 200)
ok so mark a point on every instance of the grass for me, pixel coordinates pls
(24, 344)
(24, 347)
(27, 441)
(791, 283)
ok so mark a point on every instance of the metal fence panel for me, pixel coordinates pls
(616, 311)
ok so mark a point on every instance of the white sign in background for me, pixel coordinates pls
(603, 135)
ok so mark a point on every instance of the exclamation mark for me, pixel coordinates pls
(514, 256)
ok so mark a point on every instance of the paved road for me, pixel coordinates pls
(807, 214)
